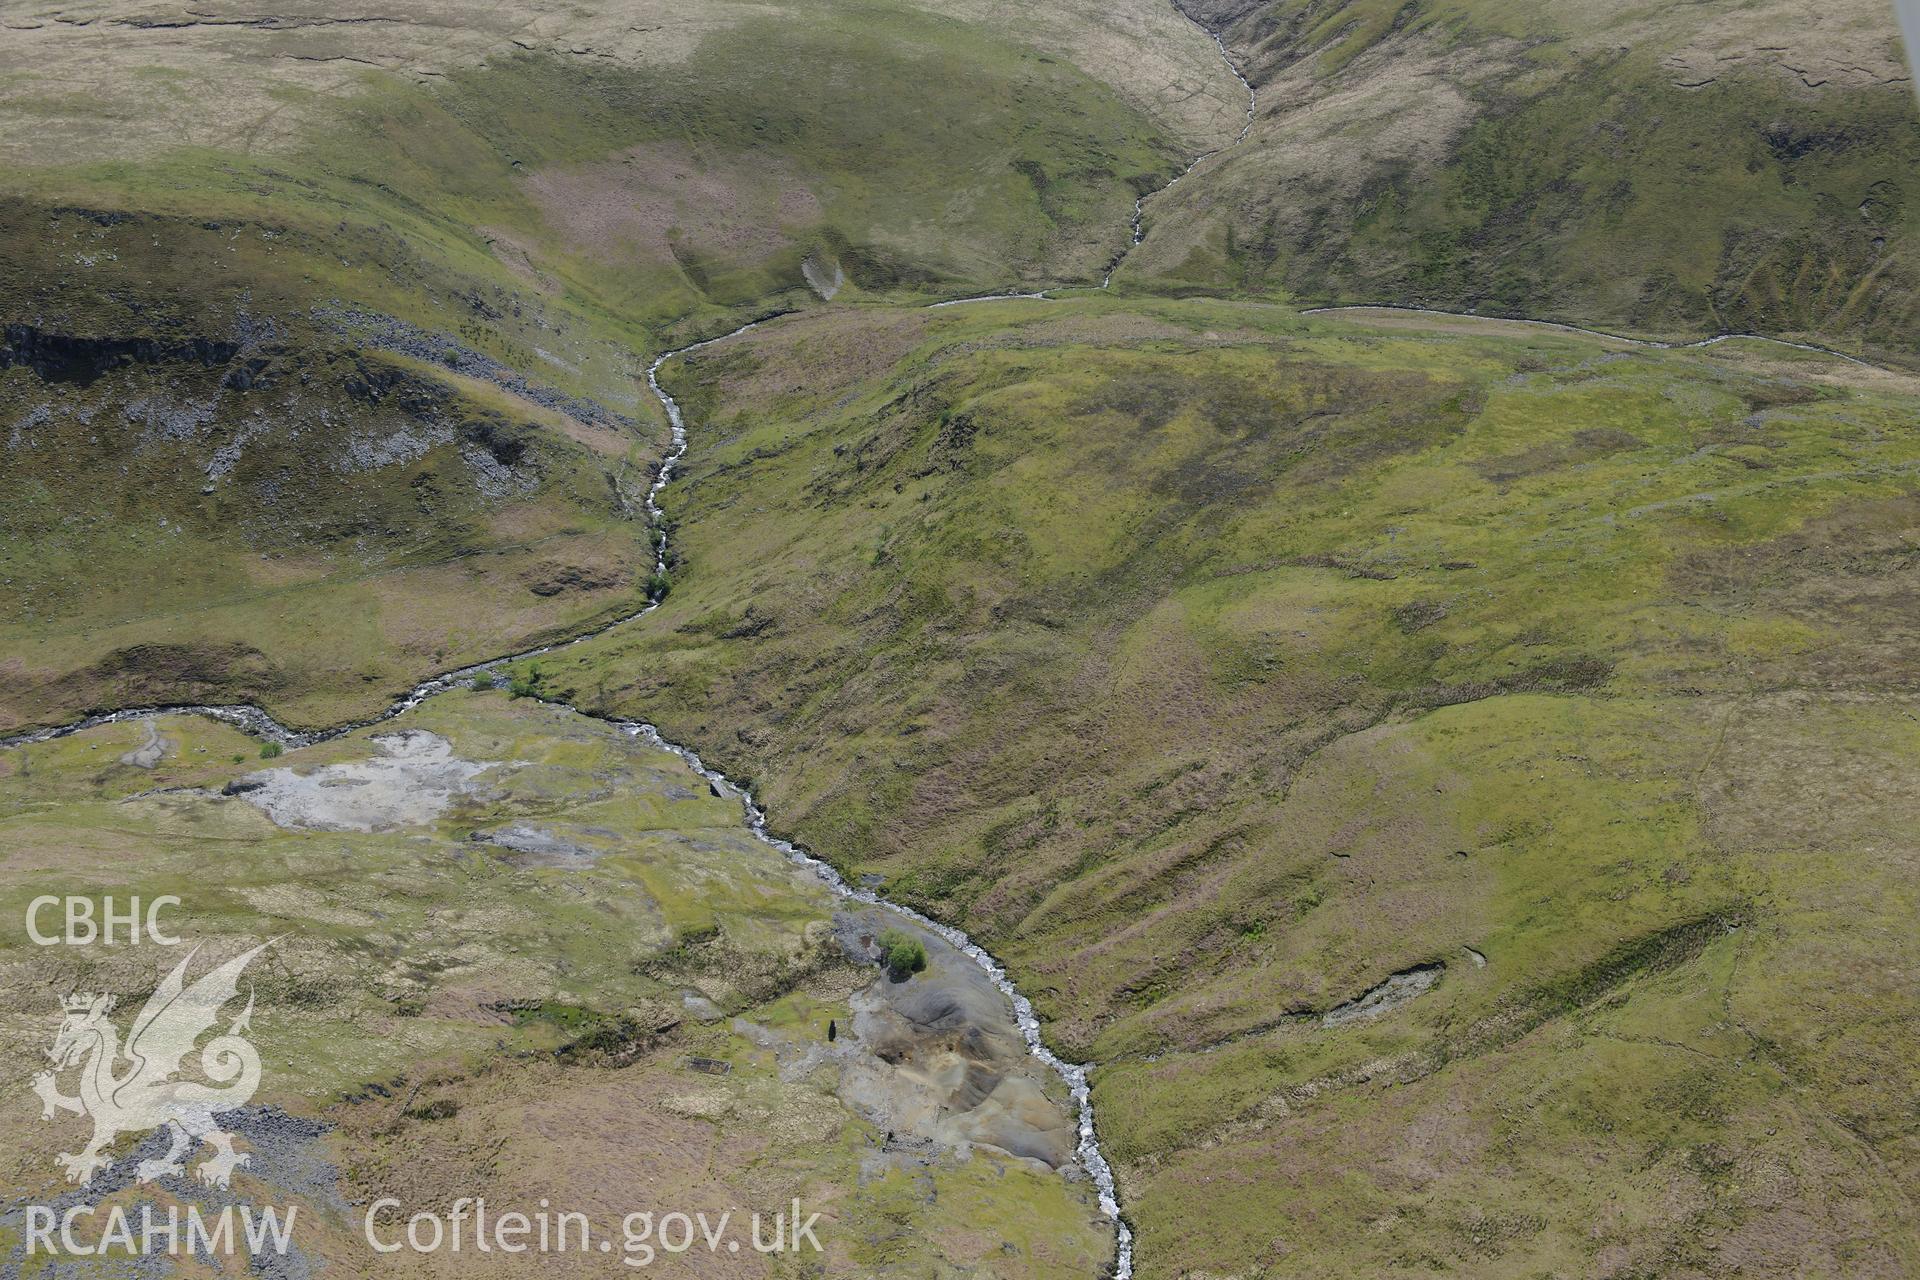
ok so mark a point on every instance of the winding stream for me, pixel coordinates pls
(256, 722)
(1651, 343)
(1139, 225)
(1910, 12)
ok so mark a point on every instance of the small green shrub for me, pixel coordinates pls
(524, 682)
(659, 582)
(903, 954)
(271, 750)
(483, 682)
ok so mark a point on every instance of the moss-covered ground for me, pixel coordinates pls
(1681, 170)
(482, 252)
(346, 526)
(466, 1021)
(1214, 664)
(1451, 780)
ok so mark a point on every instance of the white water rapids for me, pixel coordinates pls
(1139, 225)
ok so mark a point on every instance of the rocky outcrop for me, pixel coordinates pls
(937, 1056)
(63, 357)
(374, 332)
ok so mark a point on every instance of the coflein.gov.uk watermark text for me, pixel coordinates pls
(468, 1225)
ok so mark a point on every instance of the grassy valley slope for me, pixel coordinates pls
(1451, 781)
(308, 525)
(518, 954)
(1678, 169)
(250, 357)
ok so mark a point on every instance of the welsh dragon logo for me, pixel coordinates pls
(144, 1094)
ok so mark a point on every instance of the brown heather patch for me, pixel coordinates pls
(652, 197)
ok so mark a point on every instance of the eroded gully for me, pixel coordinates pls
(1138, 232)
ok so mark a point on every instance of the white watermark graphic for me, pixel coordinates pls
(147, 1094)
(135, 1086)
(86, 922)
